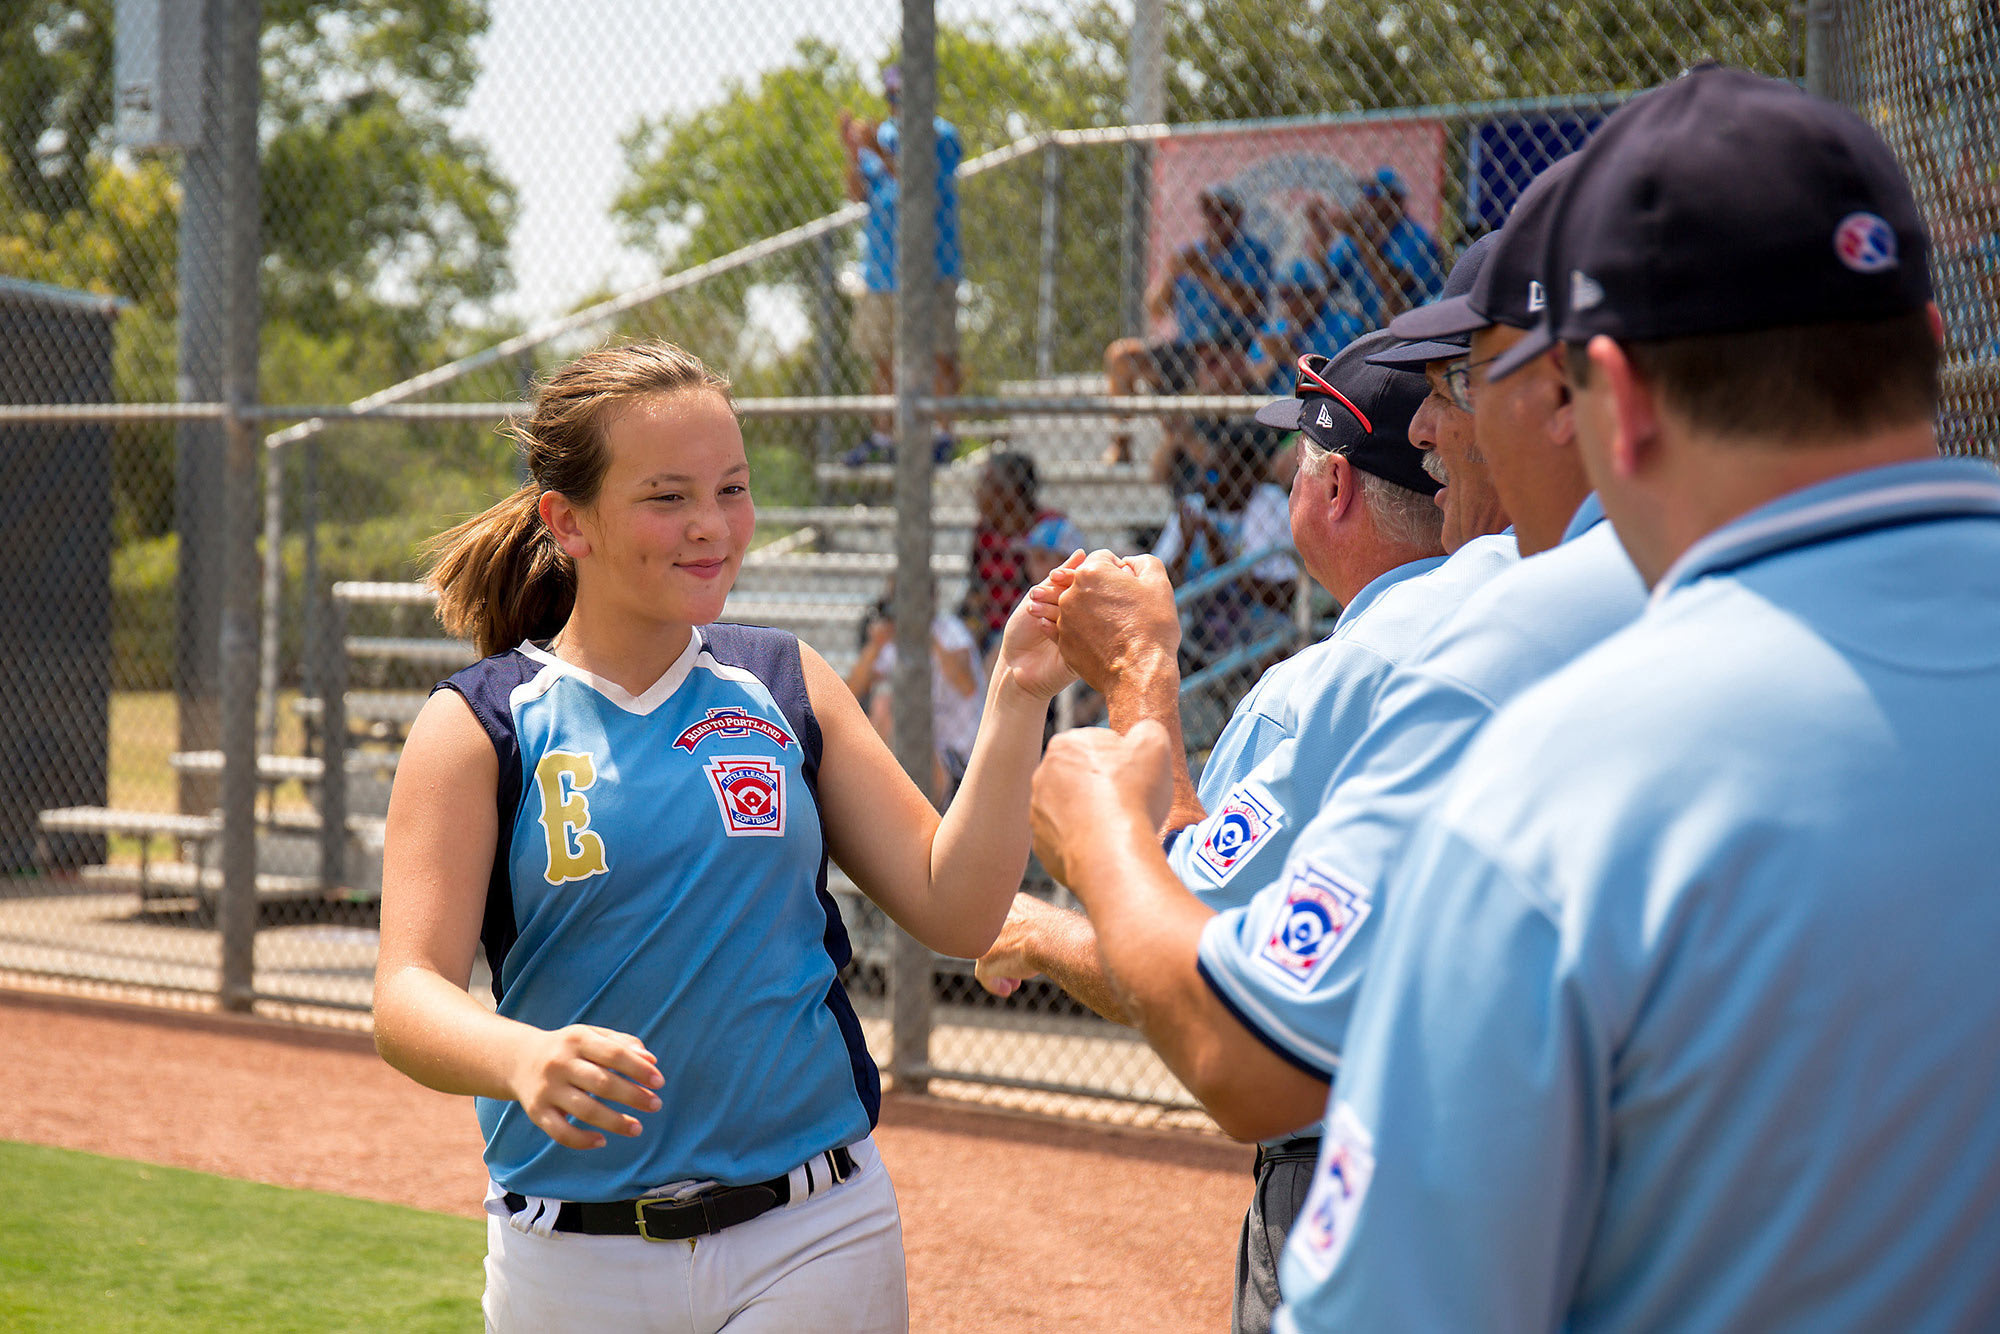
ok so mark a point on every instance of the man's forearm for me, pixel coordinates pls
(1152, 689)
(1064, 950)
(1148, 930)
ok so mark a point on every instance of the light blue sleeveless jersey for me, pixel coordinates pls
(662, 872)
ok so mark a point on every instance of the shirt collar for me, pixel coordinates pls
(1588, 515)
(1873, 498)
(1382, 583)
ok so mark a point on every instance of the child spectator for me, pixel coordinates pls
(1009, 512)
(958, 687)
(1234, 513)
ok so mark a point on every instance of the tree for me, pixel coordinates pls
(765, 157)
(382, 229)
(373, 209)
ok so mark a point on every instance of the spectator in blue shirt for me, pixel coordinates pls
(1214, 290)
(1312, 312)
(1410, 252)
(872, 178)
(1335, 237)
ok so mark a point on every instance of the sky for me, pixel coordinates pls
(562, 81)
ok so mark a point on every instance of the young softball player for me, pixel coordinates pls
(633, 808)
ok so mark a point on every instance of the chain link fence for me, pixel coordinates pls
(1149, 211)
(1928, 77)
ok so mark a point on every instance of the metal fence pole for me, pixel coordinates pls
(1045, 295)
(198, 445)
(238, 74)
(313, 624)
(1146, 105)
(825, 307)
(273, 600)
(916, 291)
(1820, 73)
(332, 678)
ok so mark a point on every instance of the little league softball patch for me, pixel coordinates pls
(1234, 833)
(1318, 917)
(750, 791)
(1340, 1184)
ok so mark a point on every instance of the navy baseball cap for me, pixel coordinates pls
(1346, 405)
(1412, 352)
(1508, 287)
(1726, 202)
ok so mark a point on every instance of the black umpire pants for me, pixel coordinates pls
(1284, 1174)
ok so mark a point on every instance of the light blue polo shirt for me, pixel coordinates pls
(1270, 712)
(1268, 774)
(1686, 1016)
(1287, 963)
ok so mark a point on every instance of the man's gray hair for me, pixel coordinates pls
(1402, 515)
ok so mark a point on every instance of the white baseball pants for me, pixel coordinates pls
(831, 1260)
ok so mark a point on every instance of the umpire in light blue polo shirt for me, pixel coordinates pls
(1685, 1017)
(1288, 962)
(1367, 528)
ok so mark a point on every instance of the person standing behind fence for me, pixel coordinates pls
(873, 178)
(1335, 239)
(632, 809)
(958, 686)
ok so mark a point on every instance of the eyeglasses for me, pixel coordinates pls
(1458, 381)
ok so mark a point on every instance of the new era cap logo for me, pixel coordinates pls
(1325, 417)
(1537, 298)
(1865, 243)
(1585, 292)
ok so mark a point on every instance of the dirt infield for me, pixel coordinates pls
(1011, 1222)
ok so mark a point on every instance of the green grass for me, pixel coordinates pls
(101, 1244)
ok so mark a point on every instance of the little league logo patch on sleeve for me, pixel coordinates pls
(731, 723)
(751, 792)
(1234, 833)
(1340, 1184)
(1318, 917)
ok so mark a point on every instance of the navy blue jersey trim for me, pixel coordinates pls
(773, 657)
(1285, 1053)
(487, 687)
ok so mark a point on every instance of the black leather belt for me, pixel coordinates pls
(1304, 1149)
(660, 1218)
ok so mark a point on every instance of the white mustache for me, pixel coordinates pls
(1434, 465)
